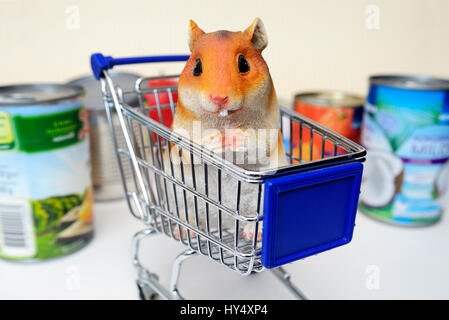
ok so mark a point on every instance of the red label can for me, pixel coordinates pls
(162, 99)
(338, 111)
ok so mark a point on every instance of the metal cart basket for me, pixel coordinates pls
(304, 208)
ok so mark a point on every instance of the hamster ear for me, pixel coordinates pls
(194, 33)
(257, 34)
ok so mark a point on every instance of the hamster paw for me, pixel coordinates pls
(236, 141)
(248, 232)
(214, 142)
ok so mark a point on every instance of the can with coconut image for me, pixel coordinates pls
(405, 130)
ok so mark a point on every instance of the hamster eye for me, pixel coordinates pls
(198, 70)
(243, 64)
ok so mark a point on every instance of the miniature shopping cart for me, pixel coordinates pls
(306, 207)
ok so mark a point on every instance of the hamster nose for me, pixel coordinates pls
(219, 101)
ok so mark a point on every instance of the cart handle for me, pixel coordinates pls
(99, 62)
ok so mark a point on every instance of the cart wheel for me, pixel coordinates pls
(146, 293)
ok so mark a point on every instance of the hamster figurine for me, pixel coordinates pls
(226, 103)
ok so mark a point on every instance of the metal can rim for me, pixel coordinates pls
(416, 82)
(78, 91)
(113, 74)
(352, 100)
(98, 106)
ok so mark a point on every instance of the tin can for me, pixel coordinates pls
(105, 171)
(45, 186)
(406, 133)
(339, 111)
(167, 100)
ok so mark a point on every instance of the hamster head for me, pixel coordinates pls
(225, 72)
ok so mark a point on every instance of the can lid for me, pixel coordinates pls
(33, 94)
(330, 99)
(94, 98)
(417, 82)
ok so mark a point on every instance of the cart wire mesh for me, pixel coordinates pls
(206, 203)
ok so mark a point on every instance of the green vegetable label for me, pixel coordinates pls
(48, 132)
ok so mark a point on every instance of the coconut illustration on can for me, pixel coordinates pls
(381, 169)
(442, 181)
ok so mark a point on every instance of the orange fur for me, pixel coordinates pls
(220, 54)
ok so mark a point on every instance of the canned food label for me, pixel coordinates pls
(6, 133)
(47, 132)
(343, 120)
(16, 224)
(45, 189)
(407, 167)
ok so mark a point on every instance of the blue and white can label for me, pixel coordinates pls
(406, 134)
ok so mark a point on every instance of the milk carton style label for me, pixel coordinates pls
(45, 189)
(406, 133)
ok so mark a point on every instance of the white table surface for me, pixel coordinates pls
(381, 262)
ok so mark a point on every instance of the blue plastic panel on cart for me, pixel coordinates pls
(309, 212)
